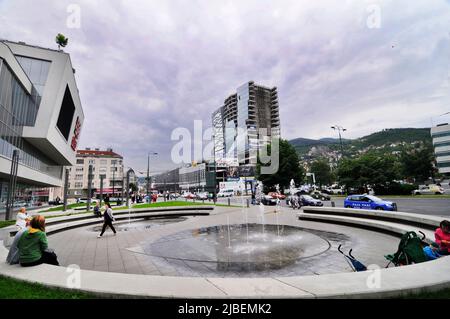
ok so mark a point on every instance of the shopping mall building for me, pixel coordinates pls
(40, 121)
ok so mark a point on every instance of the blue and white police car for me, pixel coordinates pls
(368, 202)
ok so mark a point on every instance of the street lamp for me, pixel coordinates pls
(130, 171)
(148, 173)
(339, 129)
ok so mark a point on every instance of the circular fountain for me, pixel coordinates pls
(241, 248)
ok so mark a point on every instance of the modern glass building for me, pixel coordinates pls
(249, 116)
(441, 142)
(40, 121)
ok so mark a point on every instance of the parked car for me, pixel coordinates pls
(368, 202)
(320, 195)
(268, 200)
(429, 190)
(202, 196)
(84, 200)
(277, 195)
(174, 195)
(335, 190)
(307, 200)
(225, 193)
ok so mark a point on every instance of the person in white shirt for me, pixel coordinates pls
(22, 218)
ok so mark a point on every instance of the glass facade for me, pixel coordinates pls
(36, 70)
(18, 109)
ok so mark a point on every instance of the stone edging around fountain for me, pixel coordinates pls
(434, 275)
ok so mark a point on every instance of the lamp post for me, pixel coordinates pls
(339, 129)
(128, 183)
(148, 173)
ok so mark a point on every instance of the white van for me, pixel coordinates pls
(225, 193)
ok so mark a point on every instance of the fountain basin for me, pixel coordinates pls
(241, 247)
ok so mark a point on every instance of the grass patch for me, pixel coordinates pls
(169, 204)
(16, 289)
(60, 207)
(177, 203)
(6, 223)
(440, 294)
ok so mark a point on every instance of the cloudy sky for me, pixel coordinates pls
(144, 68)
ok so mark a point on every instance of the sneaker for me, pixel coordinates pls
(99, 236)
(115, 234)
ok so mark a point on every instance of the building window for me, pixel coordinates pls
(103, 162)
(79, 169)
(78, 185)
(92, 161)
(113, 169)
(80, 161)
(79, 176)
(113, 162)
(66, 113)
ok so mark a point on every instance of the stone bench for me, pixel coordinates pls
(429, 276)
(394, 281)
(73, 221)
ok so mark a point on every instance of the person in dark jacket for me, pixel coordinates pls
(97, 210)
(108, 219)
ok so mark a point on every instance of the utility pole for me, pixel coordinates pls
(114, 175)
(148, 173)
(66, 189)
(12, 185)
(88, 204)
(101, 189)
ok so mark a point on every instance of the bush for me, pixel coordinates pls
(394, 189)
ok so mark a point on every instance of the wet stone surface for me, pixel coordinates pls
(145, 224)
(247, 250)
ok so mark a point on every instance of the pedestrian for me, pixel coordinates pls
(13, 253)
(22, 218)
(97, 210)
(33, 245)
(108, 218)
(442, 237)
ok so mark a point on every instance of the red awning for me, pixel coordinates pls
(109, 190)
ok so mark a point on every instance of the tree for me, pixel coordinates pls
(289, 168)
(61, 41)
(370, 169)
(417, 164)
(133, 187)
(322, 172)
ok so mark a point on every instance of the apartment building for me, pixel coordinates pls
(238, 125)
(106, 164)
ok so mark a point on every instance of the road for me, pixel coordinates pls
(439, 207)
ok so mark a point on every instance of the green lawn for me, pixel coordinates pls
(60, 207)
(177, 203)
(6, 223)
(441, 294)
(15, 289)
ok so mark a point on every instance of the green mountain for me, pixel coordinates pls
(391, 139)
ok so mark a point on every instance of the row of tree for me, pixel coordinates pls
(375, 169)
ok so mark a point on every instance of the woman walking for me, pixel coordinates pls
(108, 219)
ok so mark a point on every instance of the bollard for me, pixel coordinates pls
(229, 202)
(248, 203)
(333, 204)
(203, 201)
